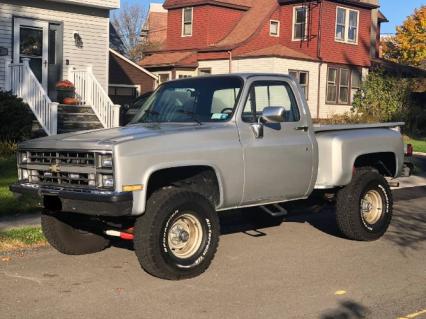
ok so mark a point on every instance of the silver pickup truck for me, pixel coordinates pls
(197, 147)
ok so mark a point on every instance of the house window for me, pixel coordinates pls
(274, 28)
(204, 71)
(301, 77)
(300, 23)
(347, 25)
(187, 15)
(184, 76)
(342, 84)
(164, 77)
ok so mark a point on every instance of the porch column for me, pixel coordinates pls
(7, 63)
(25, 88)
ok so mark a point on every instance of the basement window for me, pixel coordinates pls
(301, 77)
(187, 18)
(274, 28)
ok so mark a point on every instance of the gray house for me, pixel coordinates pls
(44, 41)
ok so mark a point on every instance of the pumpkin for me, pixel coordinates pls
(70, 101)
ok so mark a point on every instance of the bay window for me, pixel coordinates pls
(301, 77)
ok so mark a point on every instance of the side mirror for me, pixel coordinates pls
(273, 114)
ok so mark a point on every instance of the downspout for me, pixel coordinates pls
(320, 58)
(230, 61)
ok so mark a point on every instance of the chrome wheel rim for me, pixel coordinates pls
(372, 207)
(185, 236)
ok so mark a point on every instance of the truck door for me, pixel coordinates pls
(279, 165)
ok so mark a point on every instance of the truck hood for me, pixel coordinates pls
(104, 139)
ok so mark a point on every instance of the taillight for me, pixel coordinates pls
(409, 150)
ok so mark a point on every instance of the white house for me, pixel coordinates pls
(44, 41)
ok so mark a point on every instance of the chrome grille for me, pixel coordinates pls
(62, 158)
(63, 178)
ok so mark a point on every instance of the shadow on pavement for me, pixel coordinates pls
(347, 309)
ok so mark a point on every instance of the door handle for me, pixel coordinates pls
(302, 128)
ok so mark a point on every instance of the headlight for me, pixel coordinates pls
(106, 161)
(23, 157)
(107, 181)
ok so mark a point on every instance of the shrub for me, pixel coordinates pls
(383, 98)
(7, 149)
(16, 118)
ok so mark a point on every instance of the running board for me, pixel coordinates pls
(275, 210)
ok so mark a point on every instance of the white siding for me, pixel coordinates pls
(92, 24)
(110, 4)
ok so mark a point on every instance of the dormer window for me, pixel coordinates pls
(187, 17)
(347, 21)
(300, 23)
(274, 28)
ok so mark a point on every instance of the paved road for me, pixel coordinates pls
(291, 269)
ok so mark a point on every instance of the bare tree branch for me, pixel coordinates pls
(129, 22)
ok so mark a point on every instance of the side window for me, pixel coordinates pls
(266, 93)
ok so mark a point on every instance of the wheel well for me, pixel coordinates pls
(201, 179)
(385, 162)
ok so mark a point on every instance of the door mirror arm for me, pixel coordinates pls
(257, 128)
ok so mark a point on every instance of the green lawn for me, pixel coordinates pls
(21, 238)
(9, 205)
(419, 145)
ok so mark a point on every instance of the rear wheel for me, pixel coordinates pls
(364, 207)
(178, 235)
(65, 233)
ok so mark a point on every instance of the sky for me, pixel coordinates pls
(395, 10)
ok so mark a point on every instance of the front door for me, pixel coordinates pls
(279, 165)
(31, 40)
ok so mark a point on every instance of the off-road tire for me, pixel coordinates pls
(349, 217)
(164, 207)
(62, 232)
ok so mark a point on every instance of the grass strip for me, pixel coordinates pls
(21, 238)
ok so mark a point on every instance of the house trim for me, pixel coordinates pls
(133, 64)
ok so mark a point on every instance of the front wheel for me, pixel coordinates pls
(178, 235)
(364, 207)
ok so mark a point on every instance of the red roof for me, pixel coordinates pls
(243, 4)
(277, 51)
(180, 58)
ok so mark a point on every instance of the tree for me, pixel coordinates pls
(408, 46)
(129, 22)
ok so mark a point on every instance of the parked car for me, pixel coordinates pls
(128, 111)
(197, 147)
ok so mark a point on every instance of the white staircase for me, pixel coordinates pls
(22, 82)
(90, 92)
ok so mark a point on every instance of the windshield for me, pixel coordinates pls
(208, 99)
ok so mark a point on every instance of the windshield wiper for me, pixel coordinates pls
(193, 116)
(152, 112)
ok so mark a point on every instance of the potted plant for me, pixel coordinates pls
(65, 89)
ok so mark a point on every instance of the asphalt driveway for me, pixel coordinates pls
(297, 268)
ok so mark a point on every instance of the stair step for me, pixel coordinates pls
(82, 125)
(70, 130)
(75, 109)
(77, 117)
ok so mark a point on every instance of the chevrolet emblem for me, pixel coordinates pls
(54, 168)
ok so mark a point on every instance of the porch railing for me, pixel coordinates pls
(90, 92)
(21, 80)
